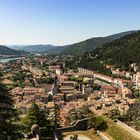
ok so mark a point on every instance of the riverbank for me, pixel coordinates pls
(4, 60)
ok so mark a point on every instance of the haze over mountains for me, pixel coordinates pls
(73, 49)
(8, 51)
(34, 48)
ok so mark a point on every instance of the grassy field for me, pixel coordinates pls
(89, 133)
(117, 132)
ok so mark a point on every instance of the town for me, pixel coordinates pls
(69, 70)
(72, 93)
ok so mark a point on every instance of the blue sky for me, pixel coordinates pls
(62, 22)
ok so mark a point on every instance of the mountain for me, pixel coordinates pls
(34, 48)
(8, 51)
(87, 45)
(15, 47)
(119, 53)
(73, 49)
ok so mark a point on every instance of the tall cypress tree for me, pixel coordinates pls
(35, 116)
(6, 112)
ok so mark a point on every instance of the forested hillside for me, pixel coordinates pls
(120, 53)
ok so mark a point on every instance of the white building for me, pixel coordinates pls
(136, 80)
(56, 69)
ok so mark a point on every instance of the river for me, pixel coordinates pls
(3, 60)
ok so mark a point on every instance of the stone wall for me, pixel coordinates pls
(80, 125)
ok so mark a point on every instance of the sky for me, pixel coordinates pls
(61, 22)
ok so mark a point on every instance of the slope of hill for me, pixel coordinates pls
(87, 45)
(34, 48)
(8, 51)
(15, 47)
(120, 53)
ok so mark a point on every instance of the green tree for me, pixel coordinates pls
(114, 114)
(20, 76)
(7, 113)
(35, 116)
(42, 118)
(98, 123)
(96, 87)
